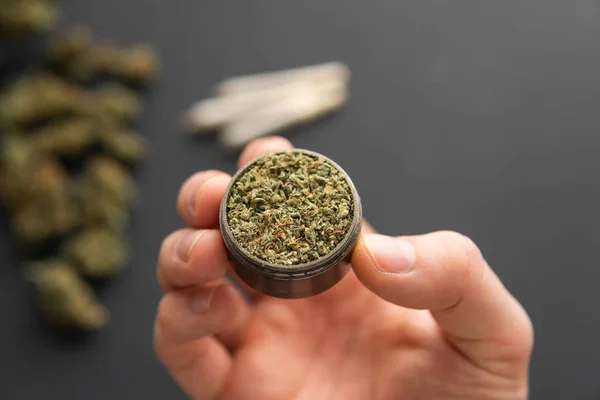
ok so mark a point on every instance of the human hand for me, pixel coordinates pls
(418, 317)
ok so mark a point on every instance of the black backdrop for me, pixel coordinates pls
(477, 116)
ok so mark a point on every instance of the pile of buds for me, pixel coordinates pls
(50, 122)
(250, 106)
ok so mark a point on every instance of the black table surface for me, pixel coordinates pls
(475, 116)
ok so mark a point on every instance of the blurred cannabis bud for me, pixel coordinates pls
(37, 96)
(139, 65)
(104, 193)
(46, 211)
(97, 252)
(65, 298)
(20, 17)
(65, 153)
(82, 59)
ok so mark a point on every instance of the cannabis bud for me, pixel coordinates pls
(45, 209)
(70, 45)
(139, 65)
(83, 60)
(97, 252)
(63, 154)
(70, 137)
(105, 193)
(124, 145)
(66, 299)
(115, 101)
(36, 97)
(19, 17)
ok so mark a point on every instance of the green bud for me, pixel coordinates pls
(139, 65)
(66, 299)
(97, 252)
(124, 145)
(70, 45)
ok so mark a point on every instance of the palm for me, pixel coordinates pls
(346, 343)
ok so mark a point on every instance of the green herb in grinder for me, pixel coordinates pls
(292, 215)
(290, 208)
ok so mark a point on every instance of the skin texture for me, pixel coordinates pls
(419, 317)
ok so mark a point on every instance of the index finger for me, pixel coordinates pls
(263, 146)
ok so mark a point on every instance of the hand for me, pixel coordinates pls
(418, 317)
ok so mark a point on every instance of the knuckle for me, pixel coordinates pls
(169, 322)
(166, 259)
(183, 196)
(516, 348)
(473, 255)
(157, 344)
(162, 313)
(167, 246)
(465, 262)
(525, 337)
(472, 259)
(159, 324)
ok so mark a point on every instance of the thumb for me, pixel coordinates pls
(445, 273)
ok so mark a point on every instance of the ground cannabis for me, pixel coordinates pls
(290, 208)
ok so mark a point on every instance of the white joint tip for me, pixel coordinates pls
(334, 70)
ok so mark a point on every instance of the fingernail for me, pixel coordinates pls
(193, 192)
(390, 254)
(187, 243)
(201, 300)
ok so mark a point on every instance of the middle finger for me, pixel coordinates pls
(200, 198)
(191, 257)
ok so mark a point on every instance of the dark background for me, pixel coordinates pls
(476, 116)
